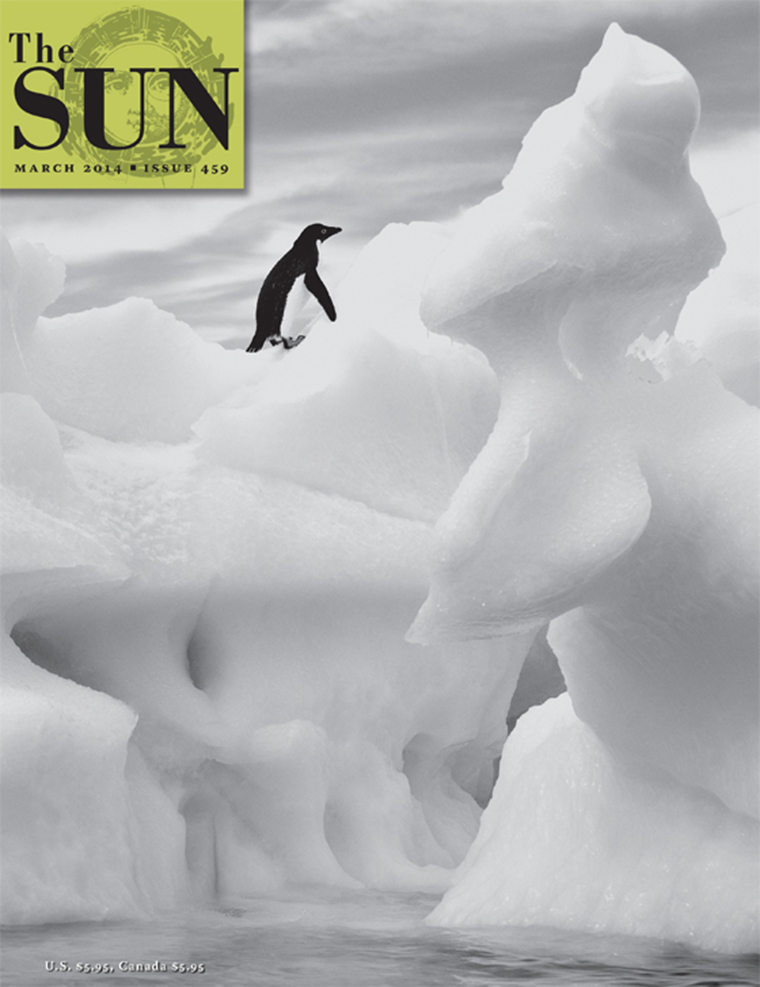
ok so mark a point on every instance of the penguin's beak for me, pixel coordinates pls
(331, 231)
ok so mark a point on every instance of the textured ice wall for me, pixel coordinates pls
(578, 836)
(617, 495)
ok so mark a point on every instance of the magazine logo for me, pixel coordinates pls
(137, 97)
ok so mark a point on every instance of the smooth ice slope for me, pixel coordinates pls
(375, 407)
(617, 495)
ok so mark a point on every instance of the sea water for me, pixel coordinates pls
(347, 939)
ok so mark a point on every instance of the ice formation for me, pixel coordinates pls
(619, 499)
(212, 559)
(212, 576)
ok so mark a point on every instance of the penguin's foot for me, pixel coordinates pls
(275, 339)
(290, 343)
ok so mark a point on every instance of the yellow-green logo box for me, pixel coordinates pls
(100, 94)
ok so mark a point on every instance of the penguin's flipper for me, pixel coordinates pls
(316, 286)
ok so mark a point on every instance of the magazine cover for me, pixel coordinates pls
(380, 492)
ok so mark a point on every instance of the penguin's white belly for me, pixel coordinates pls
(297, 297)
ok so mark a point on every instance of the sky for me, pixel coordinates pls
(364, 112)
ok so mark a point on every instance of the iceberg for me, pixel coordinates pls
(617, 498)
(210, 562)
(265, 617)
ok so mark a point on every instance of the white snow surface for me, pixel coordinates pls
(264, 614)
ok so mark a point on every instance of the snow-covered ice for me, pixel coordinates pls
(264, 615)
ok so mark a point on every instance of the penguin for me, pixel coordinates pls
(299, 264)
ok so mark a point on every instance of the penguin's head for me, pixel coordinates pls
(318, 231)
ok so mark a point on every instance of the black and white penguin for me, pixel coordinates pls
(281, 293)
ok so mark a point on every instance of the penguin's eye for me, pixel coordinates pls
(324, 230)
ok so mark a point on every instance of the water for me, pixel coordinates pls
(351, 939)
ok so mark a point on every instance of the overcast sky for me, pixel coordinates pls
(365, 112)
